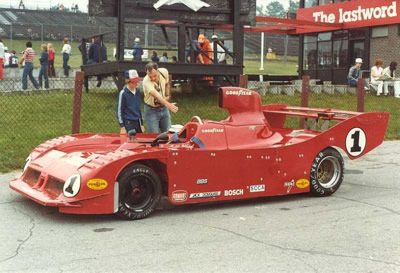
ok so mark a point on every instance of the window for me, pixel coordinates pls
(325, 36)
(379, 32)
(310, 56)
(340, 35)
(340, 53)
(310, 38)
(310, 3)
(324, 54)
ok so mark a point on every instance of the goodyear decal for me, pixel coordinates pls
(302, 183)
(97, 184)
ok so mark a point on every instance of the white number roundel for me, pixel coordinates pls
(356, 140)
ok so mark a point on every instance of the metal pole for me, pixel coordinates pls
(286, 48)
(262, 51)
(71, 33)
(42, 33)
(360, 94)
(11, 35)
(146, 33)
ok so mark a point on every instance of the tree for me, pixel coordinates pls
(260, 10)
(276, 9)
(293, 6)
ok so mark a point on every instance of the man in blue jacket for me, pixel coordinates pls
(129, 113)
(94, 55)
(137, 51)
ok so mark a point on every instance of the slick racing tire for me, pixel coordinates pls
(139, 192)
(326, 172)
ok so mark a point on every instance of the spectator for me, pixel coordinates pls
(137, 51)
(28, 57)
(154, 57)
(44, 67)
(376, 74)
(66, 51)
(164, 58)
(13, 60)
(1, 58)
(389, 73)
(220, 50)
(157, 96)
(94, 54)
(206, 54)
(6, 57)
(193, 52)
(52, 56)
(354, 74)
(129, 113)
(174, 59)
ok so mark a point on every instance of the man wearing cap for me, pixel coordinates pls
(137, 51)
(129, 113)
(354, 73)
(157, 96)
(221, 59)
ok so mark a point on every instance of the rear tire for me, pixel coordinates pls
(139, 192)
(326, 174)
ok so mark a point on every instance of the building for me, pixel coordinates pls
(341, 31)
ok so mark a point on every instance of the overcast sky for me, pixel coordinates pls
(33, 4)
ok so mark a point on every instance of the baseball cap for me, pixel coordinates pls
(137, 40)
(5, 48)
(214, 37)
(132, 75)
(359, 60)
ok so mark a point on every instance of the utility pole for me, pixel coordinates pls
(21, 5)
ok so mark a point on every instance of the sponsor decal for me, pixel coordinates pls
(356, 141)
(187, 146)
(257, 188)
(212, 131)
(97, 184)
(140, 170)
(289, 185)
(205, 194)
(233, 192)
(358, 14)
(302, 183)
(195, 5)
(179, 196)
(202, 181)
(238, 93)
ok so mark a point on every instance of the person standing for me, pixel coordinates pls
(52, 53)
(13, 60)
(129, 113)
(164, 58)
(7, 56)
(66, 51)
(154, 57)
(94, 54)
(157, 96)
(44, 67)
(1, 58)
(137, 51)
(28, 57)
(376, 73)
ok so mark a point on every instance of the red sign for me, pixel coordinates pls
(353, 14)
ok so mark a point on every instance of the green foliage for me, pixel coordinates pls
(275, 9)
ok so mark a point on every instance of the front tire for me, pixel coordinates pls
(139, 192)
(326, 174)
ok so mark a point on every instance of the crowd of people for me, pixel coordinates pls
(380, 79)
(46, 60)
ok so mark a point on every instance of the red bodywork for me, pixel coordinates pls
(250, 154)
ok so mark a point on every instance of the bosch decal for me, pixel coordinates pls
(202, 181)
(233, 192)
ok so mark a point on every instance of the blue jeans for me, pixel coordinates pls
(157, 118)
(65, 64)
(354, 83)
(28, 69)
(43, 73)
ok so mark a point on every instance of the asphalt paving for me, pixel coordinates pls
(354, 230)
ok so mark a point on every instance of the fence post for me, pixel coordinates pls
(76, 108)
(243, 81)
(305, 86)
(360, 95)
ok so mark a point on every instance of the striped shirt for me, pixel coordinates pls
(29, 55)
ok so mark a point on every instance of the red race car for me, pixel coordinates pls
(248, 155)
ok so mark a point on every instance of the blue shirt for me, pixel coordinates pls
(94, 52)
(137, 52)
(44, 58)
(129, 106)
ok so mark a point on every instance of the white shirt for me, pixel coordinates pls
(1, 50)
(220, 52)
(376, 73)
(6, 58)
(66, 49)
(386, 72)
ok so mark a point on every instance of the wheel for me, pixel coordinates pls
(139, 192)
(326, 172)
